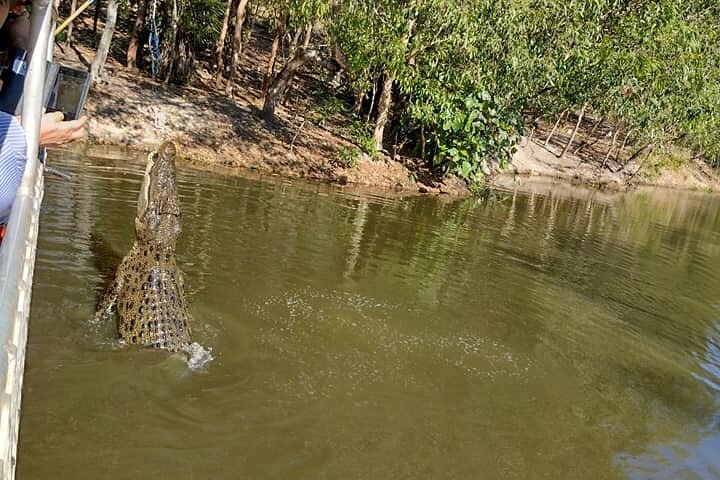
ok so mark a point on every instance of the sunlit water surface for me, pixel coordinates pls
(362, 337)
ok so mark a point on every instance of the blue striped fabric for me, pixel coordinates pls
(13, 156)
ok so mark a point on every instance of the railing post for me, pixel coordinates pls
(17, 252)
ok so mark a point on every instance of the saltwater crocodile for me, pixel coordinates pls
(148, 286)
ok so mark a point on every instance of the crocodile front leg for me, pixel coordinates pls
(110, 296)
(107, 301)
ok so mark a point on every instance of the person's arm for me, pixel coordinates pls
(54, 131)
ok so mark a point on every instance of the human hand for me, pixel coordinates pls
(55, 131)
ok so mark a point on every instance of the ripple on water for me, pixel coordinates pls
(346, 341)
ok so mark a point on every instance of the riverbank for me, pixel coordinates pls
(131, 110)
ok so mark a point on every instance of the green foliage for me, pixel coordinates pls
(362, 136)
(663, 160)
(473, 133)
(201, 21)
(304, 12)
(347, 157)
(326, 110)
(655, 66)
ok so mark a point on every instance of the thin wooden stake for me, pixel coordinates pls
(592, 132)
(572, 137)
(372, 102)
(612, 144)
(292, 144)
(72, 17)
(622, 147)
(547, 140)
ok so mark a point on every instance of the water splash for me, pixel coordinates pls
(198, 357)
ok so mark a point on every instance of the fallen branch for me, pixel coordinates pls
(642, 164)
(297, 132)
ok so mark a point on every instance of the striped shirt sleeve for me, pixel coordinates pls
(13, 156)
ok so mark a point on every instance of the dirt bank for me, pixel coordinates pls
(537, 165)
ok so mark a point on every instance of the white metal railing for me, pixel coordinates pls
(17, 253)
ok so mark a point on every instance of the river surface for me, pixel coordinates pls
(362, 337)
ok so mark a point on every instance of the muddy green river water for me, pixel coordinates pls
(362, 337)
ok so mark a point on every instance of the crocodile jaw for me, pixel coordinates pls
(158, 210)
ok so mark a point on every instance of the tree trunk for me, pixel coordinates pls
(68, 38)
(384, 106)
(572, 137)
(359, 97)
(237, 45)
(294, 43)
(104, 45)
(172, 43)
(280, 23)
(131, 60)
(184, 60)
(308, 35)
(282, 81)
(385, 102)
(220, 46)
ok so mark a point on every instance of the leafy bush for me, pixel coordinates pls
(474, 133)
(347, 157)
(327, 109)
(362, 136)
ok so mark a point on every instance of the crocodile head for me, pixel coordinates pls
(158, 209)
